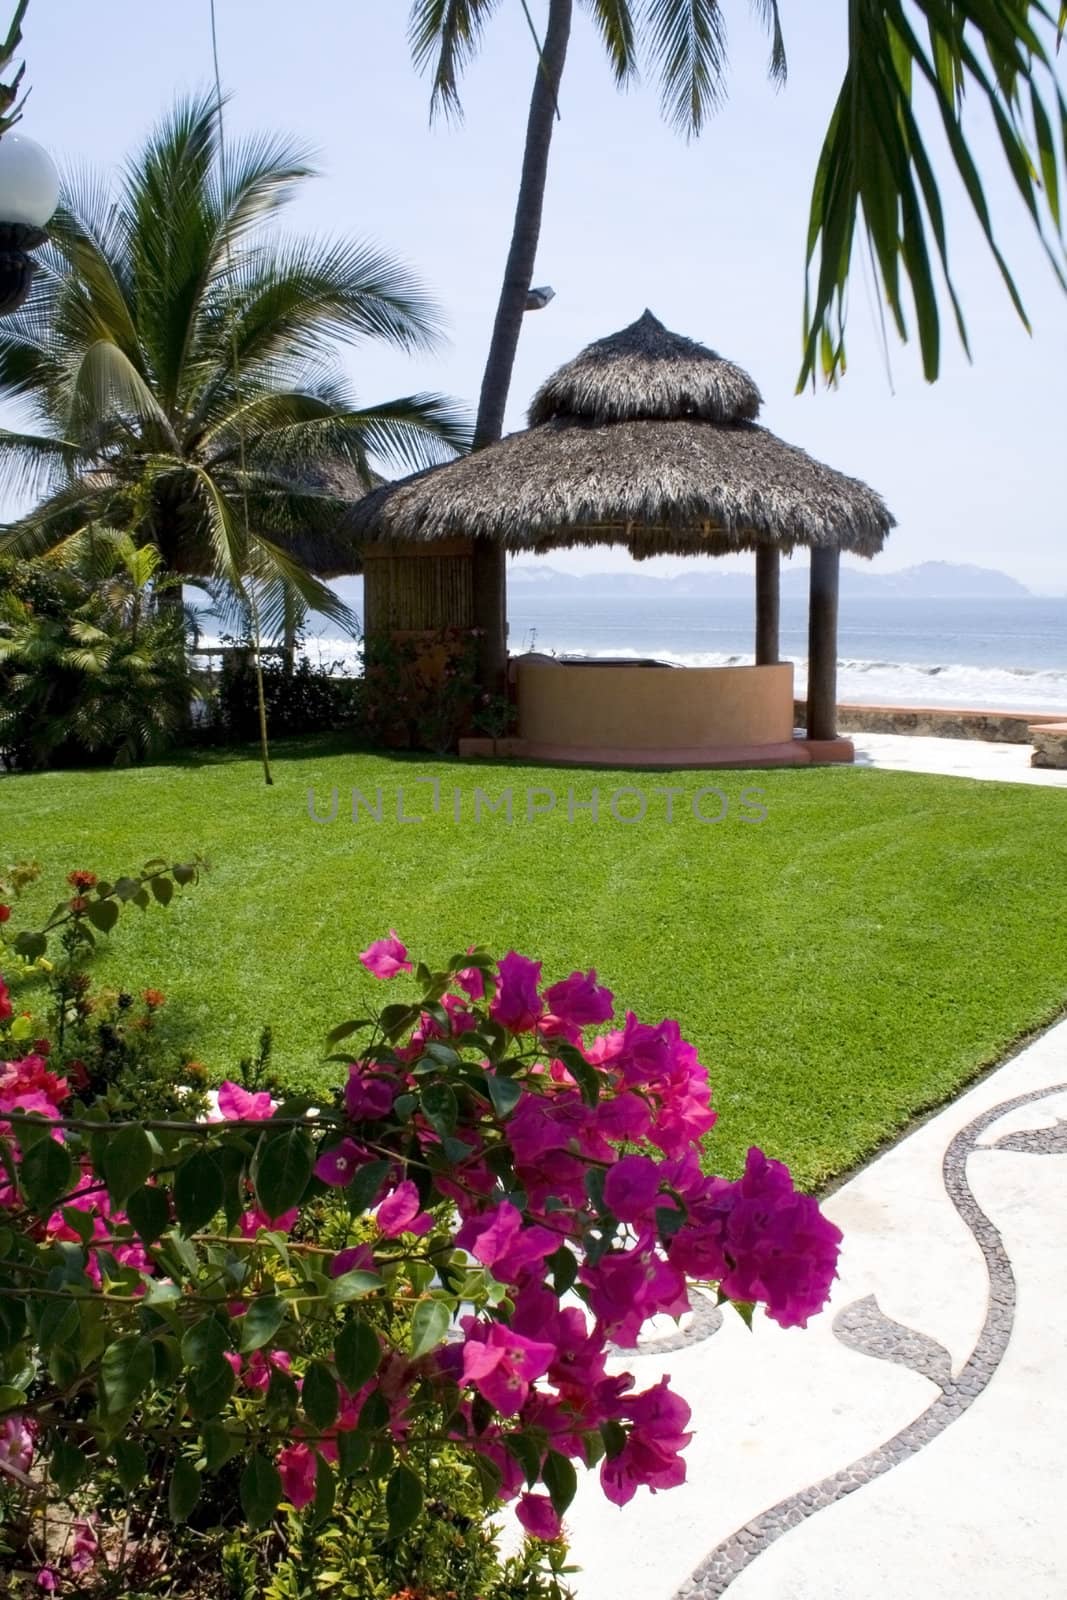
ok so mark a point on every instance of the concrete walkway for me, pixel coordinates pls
(959, 758)
(911, 1442)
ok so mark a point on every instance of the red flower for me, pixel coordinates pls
(5, 912)
(81, 880)
(79, 903)
(154, 998)
(41, 1047)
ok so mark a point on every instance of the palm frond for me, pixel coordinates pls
(614, 22)
(32, 465)
(444, 36)
(686, 42)
(767, 11)
(875, 173)
(106, 384)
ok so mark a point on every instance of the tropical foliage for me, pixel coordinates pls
(172, 357)
(90, 666)
(262, 1313)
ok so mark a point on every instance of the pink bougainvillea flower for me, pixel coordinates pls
(651, 1455)
(538, 1516)
(16, 1444)
(626, 1287)
(297, 1467)
(250, 1222)
(86, 1545)
(517, 1004)
(357, 1258)
(580, 1001)
(47, 1581)
(472, 981)
(386, 957)
(400, 1212)
(502, 1364)
(368, 1097)
(631, 1188)
(339, 1165)
(241, 1105)
(763, 1241)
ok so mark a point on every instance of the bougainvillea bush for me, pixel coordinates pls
(298, 1299)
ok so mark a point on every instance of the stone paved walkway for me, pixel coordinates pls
(961, 758)
(911, 1442)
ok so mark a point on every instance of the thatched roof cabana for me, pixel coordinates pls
(650, 441)
(646, 440)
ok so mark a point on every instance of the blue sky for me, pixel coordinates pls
(710, 235)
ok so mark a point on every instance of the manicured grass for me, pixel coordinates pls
(851, 960)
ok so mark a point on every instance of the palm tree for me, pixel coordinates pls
(174, 354)
(874, 173)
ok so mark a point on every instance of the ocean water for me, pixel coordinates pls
(1004, 654)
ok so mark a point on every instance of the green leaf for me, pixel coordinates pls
(260, 1490)
(261, 1322)
(126, 1370)
(163, 890)
(440, 1107)
(282, 1398)
(352, 1286)
(219, 1445)
(319, 1395)
(131, 1463)
(353, 1452)
(428, 1326)
(184, 872)
(560, 1479)
(505, 1093)
(103, 914)
(149, 1212)
(68, 1466)
(585, 1076)
(563, 1265)
(325, 1491)
(184, 1490)
(614, 1436)
(363, 1190)
(403, 1500)
(282, 1170)
(209, 1388)
(80, 1221)
(30, 946)
(127, 1160)
(344, 1030)
(357, 1353)
(199, 1190)
(46, 1172)
(204, 1341)
(527, 1454)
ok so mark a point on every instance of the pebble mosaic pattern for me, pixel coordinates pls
(864, 1326)
(715, 1574)
(706, 1319)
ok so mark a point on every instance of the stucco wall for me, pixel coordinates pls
(654, 708)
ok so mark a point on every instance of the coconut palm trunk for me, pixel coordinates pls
(489, 565)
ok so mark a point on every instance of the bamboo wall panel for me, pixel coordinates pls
(417, 591)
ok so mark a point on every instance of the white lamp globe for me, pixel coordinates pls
(29, 182)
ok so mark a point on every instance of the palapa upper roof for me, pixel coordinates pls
(645, 439)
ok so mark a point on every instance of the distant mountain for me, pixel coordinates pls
(930, 580)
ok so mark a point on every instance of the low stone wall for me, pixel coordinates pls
(939, 722)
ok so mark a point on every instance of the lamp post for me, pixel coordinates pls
(29, 194)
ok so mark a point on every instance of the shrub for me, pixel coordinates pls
(291, 1315)
(308, 698)
(91, 667)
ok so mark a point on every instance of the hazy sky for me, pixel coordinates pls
(709, 235)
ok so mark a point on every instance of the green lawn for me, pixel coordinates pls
(849, 961)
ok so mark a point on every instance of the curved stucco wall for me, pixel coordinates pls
(654, 708)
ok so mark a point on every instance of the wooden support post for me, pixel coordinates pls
(822, 642)
(488, 574)
(768, 566)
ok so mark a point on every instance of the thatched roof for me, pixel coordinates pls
(647, 440)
